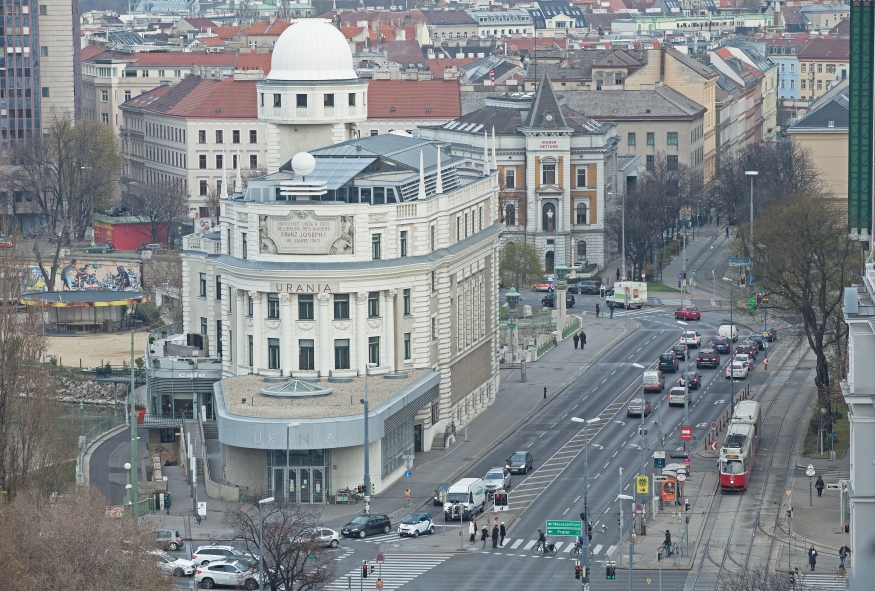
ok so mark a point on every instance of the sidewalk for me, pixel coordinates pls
(515, 404)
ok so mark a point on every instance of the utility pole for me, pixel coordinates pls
(585, 515)
(367, 476)
(135, 468)
(619, 494)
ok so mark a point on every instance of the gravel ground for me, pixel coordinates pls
(343, 401)
(93, 349)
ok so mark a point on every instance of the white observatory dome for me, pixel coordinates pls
(312, 49)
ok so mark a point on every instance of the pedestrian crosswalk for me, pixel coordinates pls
(822, 582)
(523, 547)
(393, 573)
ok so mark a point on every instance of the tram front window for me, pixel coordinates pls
(732, 467)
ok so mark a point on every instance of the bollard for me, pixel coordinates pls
(545, 392)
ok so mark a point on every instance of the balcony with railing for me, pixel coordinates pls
(172, 349)
(201, 243)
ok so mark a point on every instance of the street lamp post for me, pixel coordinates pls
(367, 477)
(752, 174)
(128, 487)
(81, 419)
(622, 498)
(731, 354)
(513, 302)
(585, 562)
(286, 485)
(641, 431)
(261, 503)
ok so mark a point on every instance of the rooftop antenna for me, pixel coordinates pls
(439, 188)
(421, 194)
(485, 152)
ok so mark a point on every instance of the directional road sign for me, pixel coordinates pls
(408, 473)
(556, 527)
(642, 485)
(686, 433)
(739, 262)
(694, 272)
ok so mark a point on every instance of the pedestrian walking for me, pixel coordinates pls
(718, 219)
(472, 529)
(597, 310)
(495, 536)
(484, 535)
(576, 340)
(582, 340)
(667, 542)
(167, 503)
(727, 231)
(819, 485)
(611, 308)
(844, 553)
(502, 532)
(812, 557)
(618, 273)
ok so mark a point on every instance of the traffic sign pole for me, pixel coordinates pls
(809, 471)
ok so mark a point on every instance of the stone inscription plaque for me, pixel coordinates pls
(304, 232)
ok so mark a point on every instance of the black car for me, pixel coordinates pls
(707, 358)
(747, 348)
(668, 361)
(759, 339)
(359, 527)
(520, 462)
(549, 300)
(721, 345)
(770, 334)
(695, 380)
(585, 286)
(681, 350)
(440, 494)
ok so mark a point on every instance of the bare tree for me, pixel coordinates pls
(160, 205)
(293, 558)
(71, 171)
(164, 273)
(32, 445)
(57, 529)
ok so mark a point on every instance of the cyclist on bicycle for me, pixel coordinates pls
(542, 541)
(668, 542)
(580, 540)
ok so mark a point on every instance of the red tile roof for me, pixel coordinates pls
(266, 28)
(529, 44)
(425, 99)
(200, 23)
(226, 33)
(201, 98)
(179, 58)
(212, 42)
(437, 67)
(89, 51)
(350, 32)
(254, 61)
(826, 49)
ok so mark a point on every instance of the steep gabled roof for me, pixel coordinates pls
(196, 97)
(830, 111)
(545, 106)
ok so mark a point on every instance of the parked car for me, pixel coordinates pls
(361, 526)
(585, 286)
(415, 524)
(497, 478)
(207, 554)
(171, 565)
(691, 339)
(637, 406)
(169, 539)
(521, 462)
(721, 345)
(681, 350)
(544, 285)
(770, 334)
(100, 248)
(668, 361)
(694, 377)
(228, 573)
(707, 358)
(549, 300)
(323, 535)
(737, 370)
(440, 494)
(154, 246)
(688, 313)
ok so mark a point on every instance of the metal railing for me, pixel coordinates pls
(118, 373)
(165, 418)
(103, 427)
(186, 363)
(449, 431)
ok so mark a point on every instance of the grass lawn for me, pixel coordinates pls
(842, 431)
(661, 287)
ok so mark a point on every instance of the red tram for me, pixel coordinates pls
(738, 452)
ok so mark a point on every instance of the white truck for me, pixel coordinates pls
(628, 294)
(463, 497)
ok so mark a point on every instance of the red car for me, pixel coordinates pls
(688, 313)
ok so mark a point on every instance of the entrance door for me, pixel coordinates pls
(417, 437)
(548, 261)
(304, 484)
(318, 485)
(279, 481)
(293, 484)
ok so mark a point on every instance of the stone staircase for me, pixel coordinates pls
(211, 430)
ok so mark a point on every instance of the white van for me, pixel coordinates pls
(654, 381)
(676, 396)
(463, 497)
(727, 331)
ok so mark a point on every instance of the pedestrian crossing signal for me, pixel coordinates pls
(610, 571)
(364, 570)
(577, 572)
(501, 499)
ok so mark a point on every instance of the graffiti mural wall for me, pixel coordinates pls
(76, 275)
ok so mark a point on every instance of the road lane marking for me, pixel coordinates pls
(516, 544)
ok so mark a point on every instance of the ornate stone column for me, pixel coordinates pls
(361, 332)
(240, 330)
(323, 345)
(257, 330)
(287, 327)
(390, 328)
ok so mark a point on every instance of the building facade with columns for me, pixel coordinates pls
(372, 262)
(557, 170)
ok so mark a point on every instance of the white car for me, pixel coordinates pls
(692, 339)
(736, 370)
(415, 524)
(742, 358)
(230, 573)
(324, 535)
(171, 565)
(207, 554)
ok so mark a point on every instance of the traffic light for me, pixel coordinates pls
(576, 569)
(751, 305)
(364, 569)
(586, 574)
(371, 567)
(501, 499)
(610, 571)
(589, 530)
(766, 298)
(759, 299)
(372, 489)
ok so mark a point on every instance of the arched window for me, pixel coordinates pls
(581, 249)
(548, 261)
(510, 215)
(548, 215)
(581, 213)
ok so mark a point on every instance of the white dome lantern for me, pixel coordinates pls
(311, 50)
(303, 163)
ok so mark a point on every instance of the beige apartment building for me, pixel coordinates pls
(202, 132)
(57, 27)
(822, 64)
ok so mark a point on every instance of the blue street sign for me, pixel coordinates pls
(408, 473)
(659, 462)
(694, 272)
(680, 275)
(751, 280)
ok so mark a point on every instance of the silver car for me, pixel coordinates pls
(207, 554)
(171, 565)
(497, 478)
(323, 535)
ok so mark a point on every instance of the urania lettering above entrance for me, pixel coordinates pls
(304, 232)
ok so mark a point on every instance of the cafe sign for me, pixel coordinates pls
(304, 232)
